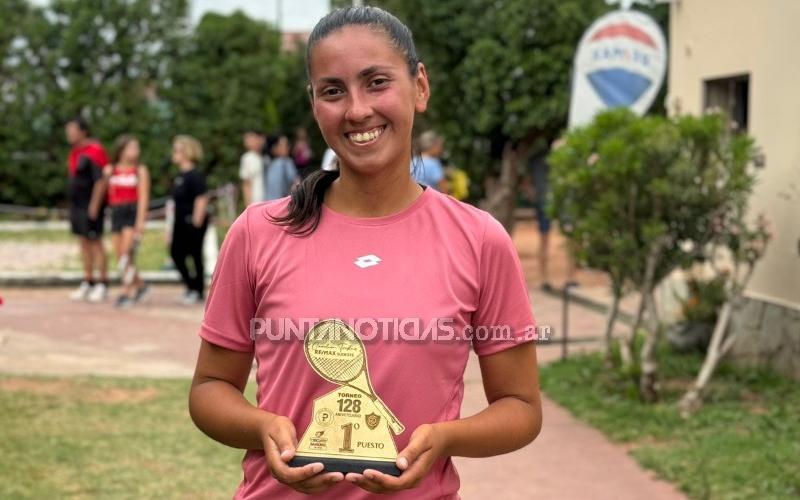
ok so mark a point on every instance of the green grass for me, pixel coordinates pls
(152, 255)
(100, 437)
(743, 444)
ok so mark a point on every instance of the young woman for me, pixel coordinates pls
(128, 193)
(190, 198)
(361, 244)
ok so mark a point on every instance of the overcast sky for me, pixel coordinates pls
(296, 15)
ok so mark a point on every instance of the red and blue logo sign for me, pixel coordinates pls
(620, 61)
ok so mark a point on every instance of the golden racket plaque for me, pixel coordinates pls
(351, 427)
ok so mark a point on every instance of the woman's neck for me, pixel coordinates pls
(372, 196)
(185, 166)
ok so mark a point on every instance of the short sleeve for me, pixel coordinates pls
(231, 301)
(199, 184)
(504, 317)
(249, 167)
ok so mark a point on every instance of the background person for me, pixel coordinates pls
(251, 167)
(85, 167)
(281, 173)
(190, 219)
(430, 171)
(128, 182)
(302, 153)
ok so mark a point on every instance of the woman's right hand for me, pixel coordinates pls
(280, 443)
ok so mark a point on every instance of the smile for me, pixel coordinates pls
(367, 137)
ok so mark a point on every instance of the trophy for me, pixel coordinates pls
(351, 427)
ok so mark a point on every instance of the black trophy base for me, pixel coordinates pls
(345, 465)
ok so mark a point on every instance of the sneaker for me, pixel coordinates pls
(82, 292)
(98, 293)
(123, 302)
(191, 298)
(184, 297)
(141, 293)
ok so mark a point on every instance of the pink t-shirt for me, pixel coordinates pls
(431, 272)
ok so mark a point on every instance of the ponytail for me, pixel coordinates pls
(305, 205)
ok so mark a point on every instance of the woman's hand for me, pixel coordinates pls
(426, 445)
(280, 442)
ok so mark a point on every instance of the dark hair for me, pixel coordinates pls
(119, 146)
(305, 206)
(82, 124)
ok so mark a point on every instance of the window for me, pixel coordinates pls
(731, 95)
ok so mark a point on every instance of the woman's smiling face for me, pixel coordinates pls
(364, 98)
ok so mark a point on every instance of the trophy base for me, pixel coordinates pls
(347, 465)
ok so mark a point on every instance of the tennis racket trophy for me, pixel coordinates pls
(351, 427)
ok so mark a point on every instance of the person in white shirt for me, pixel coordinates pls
(329, 161)
(251, 168)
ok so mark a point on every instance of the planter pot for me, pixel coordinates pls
(689, 337)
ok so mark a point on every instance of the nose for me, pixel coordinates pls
(358, 109)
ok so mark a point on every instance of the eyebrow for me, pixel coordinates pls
(364, 73)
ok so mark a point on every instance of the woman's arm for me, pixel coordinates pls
(143, 203)
(199, 210)
(218, 407)
(98, 191)
(512, 420)
(216, 400)
(247, 191)
(514, 415)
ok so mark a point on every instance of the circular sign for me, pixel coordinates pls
(620, 62)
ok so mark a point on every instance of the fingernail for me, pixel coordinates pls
(369, 475)
(315, 468)
(402, 463)
(286, 453)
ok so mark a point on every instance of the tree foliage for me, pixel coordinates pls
(135, 66)
(640, 197)
(500, 70)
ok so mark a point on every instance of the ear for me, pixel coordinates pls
(423, 89)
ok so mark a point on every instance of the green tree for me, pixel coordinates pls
(103, 59)
(639, 197)
(232, 75)
(500, 79)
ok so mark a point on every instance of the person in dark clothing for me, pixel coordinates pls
(190, 198)
(85, 169)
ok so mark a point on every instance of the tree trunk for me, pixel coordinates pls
(502, 200)
(648, 380)
(720, 344)
(611, 319)
(626, 342)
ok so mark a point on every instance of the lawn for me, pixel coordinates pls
(100, 437)
(744, 444)
(153, 254)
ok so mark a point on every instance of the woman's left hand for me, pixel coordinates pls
(426, 445)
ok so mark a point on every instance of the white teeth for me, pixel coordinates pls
(365, 136)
